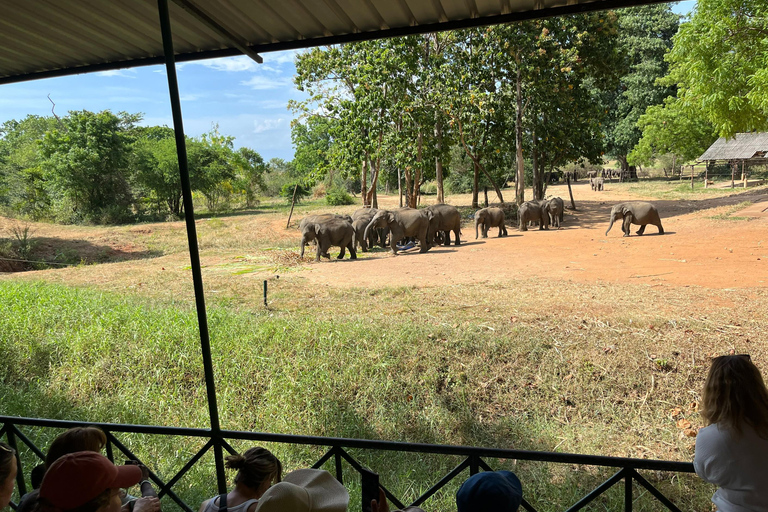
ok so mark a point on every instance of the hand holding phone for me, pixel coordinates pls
(370, 488)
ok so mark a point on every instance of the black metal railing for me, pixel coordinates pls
(473, 457)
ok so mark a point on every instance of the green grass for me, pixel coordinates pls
(408, 368)
(666, 189)
(728, 213)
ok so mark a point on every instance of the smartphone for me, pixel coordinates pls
(370, 486)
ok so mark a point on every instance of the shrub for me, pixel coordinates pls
(429, 188)
(337, 196)
(288, 189)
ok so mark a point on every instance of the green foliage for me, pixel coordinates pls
(289, 189)
(720, 63)
(338, 196)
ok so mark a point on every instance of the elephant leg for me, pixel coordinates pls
(625, 227)
(352, 253)
(486, 227)
(446, 237)
(457, 232)
(661, 229)
(641, 230)
(341, 253)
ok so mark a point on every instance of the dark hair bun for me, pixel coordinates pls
(235, 461)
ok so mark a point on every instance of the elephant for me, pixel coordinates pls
(555, 208)
(445, 218)
(330, 231)
(403, 222)
(378, 235)
(597, 183)
(308, 235)
(490, 218)
(635, 212)
(532, 211)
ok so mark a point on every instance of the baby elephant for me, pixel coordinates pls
(533, 211)
(635, 212)
(333, 231)
(490, 218)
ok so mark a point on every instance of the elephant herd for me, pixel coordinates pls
(433, 225)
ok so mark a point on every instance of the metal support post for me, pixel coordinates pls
(628, 489)
(194, 255)
(20, 483)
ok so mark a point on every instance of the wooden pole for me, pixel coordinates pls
(691, 177)
(744, 172)
(570, 192)
(733, 170)
(486, 196)
(293, 202)
(706, 175)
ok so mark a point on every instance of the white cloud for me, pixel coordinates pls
(229, 64)
(266, 125)
(191, 97)
(261, 83)
(125, 73)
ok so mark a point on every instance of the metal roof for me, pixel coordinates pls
(45, 38)
(743, 146)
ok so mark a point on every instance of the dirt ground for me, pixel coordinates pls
(695, 250)
(706, 243)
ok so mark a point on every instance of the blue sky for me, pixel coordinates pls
(247, 100)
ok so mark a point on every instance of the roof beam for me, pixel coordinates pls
(206, 20)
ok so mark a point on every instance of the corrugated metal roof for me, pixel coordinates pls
(42, 38)
(743, 146)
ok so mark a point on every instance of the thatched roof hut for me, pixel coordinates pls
(742, 148)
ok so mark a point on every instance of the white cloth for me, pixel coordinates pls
(213, 505)
(737, 465)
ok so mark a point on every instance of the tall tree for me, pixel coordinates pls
(645, 37)
(720, 64)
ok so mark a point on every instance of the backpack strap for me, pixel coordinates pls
(222, 503)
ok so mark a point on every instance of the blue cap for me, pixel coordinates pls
(491, 491)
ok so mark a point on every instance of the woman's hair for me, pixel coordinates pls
(95, 504)
(255, 467)
(7, 455)
(78, 439)
(735, 395)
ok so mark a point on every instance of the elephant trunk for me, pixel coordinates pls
(369, 226)
(613, 217)
(477, 221)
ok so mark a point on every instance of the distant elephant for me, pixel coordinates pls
(308, 235)
(635, 212)
(599, 183)
(591, 174)
(532, 211)
(329, 232)
(376, 236)
(403, 222)
(490, 218)
(555, 208)
(445, 218)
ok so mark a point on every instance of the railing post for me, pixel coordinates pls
(10, 433)
(110, 452)
(339, 469)
(628, 489)
(474, 464)
(194, 255)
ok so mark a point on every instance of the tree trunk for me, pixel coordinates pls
(624, 173)
(400, 186)
(520, 180)
(413, 202)
(439, 162)
(475, 184)
(408, 185)
(372, 199)
(364, 180)
(538, 184)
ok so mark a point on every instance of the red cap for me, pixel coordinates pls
(77, 478)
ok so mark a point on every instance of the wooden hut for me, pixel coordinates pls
(743, 150)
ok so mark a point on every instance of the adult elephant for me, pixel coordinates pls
(308, 235)
(635, 212)
(555, 208)
(403, 222)
(490, 218)
(532, 211)
(360, 220)
(328, 232)
(445, 218)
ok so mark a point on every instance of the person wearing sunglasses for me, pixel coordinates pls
(8, 470)
(732, 450)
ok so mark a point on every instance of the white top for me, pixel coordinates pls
(738, 466)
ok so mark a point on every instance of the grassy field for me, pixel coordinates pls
(525, 362)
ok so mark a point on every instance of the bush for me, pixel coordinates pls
(288, 188)
(429, 188)
(338, 197)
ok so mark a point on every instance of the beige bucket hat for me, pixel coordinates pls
(305, 490)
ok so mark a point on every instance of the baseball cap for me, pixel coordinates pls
(490, 491)
(305, 490)
(77, 478)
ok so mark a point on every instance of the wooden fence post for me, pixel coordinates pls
(293, 202)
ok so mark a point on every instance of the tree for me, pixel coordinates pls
(249, 174)
(87, 169)
(719, 62)
(645, 37)
(312, 143)
(671, 128)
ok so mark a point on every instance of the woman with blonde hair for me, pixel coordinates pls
(257, 469)
(731, 452)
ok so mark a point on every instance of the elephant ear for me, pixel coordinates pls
(430, 215)
(317, 228)
(625, 210)
(390, 218)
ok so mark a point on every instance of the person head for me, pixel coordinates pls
(257, 468)
(8, 469)
(85, 482)
(305, 490)
(735, 395)
(78, 439)
(490, 491)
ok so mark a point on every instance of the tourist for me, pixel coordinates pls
(85, 482)
(257, 469)
(731, 452)
(490, 491)
(305, 490)
(8, 470)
